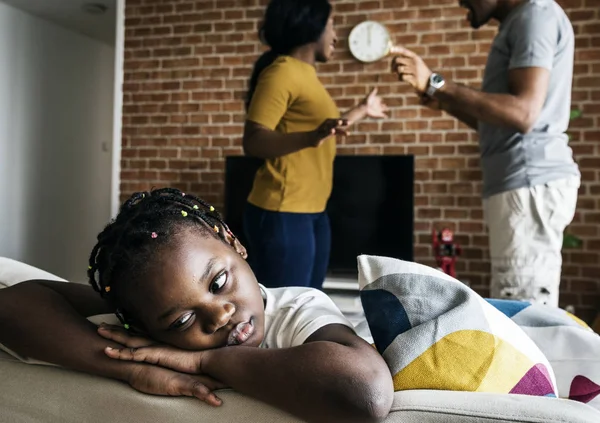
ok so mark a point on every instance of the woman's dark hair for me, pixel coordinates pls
(146, 223)
(288, 24)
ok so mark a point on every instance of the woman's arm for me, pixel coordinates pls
(262, 142)
(265, 143)
(45, 320)
(333, 377)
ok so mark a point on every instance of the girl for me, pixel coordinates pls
(194, 315)
(291, 123)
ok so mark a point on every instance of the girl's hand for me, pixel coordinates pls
(146, 350)
(374, 106)
(161, 355)
(156, 379)
(123, 337)
(160, 381)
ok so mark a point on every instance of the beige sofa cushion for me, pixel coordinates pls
(13, 272)
(42, 394)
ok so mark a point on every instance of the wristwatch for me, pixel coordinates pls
(436, 81)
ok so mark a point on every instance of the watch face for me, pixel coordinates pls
(369, 41)
(437, 79)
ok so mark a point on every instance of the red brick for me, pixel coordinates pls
(186, 69)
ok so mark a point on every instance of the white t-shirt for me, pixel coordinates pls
(292, 314)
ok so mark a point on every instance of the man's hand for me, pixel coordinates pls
(411, 68)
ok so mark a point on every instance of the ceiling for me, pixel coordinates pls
(70, 14)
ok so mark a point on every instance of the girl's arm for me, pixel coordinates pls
(46, 320)
(333, 377)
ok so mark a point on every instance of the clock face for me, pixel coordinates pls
(369, 41)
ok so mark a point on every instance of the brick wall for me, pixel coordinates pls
(186, 69)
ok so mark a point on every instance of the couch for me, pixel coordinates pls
(47, 394)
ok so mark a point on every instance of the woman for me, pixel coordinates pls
(292, 122)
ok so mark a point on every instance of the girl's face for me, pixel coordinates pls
(200, 294)
(327, 42)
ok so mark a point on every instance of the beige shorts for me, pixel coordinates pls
(526, 228)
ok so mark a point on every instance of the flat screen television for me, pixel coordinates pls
(371, 207)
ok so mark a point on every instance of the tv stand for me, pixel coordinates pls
(344, 291)
(341, 282)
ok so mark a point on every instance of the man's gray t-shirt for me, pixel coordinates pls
(535, 34)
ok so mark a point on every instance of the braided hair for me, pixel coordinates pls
(146, 222)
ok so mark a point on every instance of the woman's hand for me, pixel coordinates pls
(371, 106)
(374, 106)
(329, 128)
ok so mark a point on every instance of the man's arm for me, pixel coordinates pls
(434, 104)
(532, 42)
(461, 115)
(519, 109)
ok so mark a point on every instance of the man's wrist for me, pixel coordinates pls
(423, 91)
(435, 83)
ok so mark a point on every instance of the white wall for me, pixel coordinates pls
(56, 133)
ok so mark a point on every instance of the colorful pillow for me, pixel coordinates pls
(572, 348)
(436, 333)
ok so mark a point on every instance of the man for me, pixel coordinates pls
(521, 113)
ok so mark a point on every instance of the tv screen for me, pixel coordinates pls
(371, 206)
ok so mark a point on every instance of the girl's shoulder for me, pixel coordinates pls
(292, 314)
(278, 299)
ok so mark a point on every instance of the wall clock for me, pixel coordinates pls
(370, 41)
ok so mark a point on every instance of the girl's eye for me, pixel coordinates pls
(218, 283)
(179, 324)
